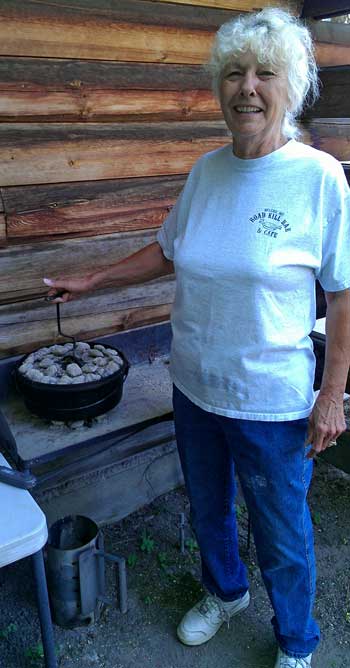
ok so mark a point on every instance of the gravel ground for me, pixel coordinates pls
(163, 584)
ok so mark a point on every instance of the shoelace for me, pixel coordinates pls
(210, 604)
(286, 662)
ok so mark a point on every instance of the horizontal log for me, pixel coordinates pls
(18, 135)
(46, 75)
(15, 340)
(106, 13)
(82, 208)
(43, 224)
(154, 293)
(2, 230)
(328, 55)
(24, 266)
(335, 94)
(115, 192)
(332, 43)
(34, 89)
(102, 106)
(330, 31)
(130, 31)
(323, 8)
(47, 89)
(330, 135)
(55, 153)
(122, 42)
(239, 5)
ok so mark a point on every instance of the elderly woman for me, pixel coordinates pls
(257, 222)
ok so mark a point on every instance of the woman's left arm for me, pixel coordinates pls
(327, 420)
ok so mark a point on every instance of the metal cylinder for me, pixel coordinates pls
(69, 538)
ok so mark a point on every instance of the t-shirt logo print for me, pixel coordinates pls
(270, 222)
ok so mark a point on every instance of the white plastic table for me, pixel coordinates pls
(23, 533)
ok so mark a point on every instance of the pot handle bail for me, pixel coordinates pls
(126, 371)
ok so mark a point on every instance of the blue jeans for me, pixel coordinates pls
(269, 458)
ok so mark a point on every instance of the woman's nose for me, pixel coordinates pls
(248, 84)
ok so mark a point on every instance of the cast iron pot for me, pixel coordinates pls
(72, 402)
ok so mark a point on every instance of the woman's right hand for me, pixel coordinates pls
(65, 289)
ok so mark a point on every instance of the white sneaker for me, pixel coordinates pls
(203, 620)
(285, 661)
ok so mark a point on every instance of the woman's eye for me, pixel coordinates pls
(266, 73)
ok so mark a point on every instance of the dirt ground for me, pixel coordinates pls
(163, 584)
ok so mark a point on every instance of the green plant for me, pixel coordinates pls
(162, 559)
(6, 632)
(316, 518)
(132, 560)
(191, 545)
(34, 655)
(147, 543)
(347, 616)
(240, 510)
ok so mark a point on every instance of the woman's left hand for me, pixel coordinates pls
(326, 423)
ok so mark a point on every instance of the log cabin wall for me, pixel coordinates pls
(104, 108)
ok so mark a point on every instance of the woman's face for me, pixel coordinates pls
(253, 99)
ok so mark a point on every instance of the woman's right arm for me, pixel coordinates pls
(144, 265)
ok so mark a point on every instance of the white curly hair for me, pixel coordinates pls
(277, 39)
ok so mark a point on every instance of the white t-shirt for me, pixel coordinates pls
(248, 238)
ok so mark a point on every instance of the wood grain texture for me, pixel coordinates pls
(102, 106)
(123, 42)
(240, 5)
(160, 291)
(39, 89)
(55, 153)
(24, 266)
(328, 55)
(331, 32)
(27, 322)
(130, 31)
(82, 208)
(79, 209)
(15, 340)
(2, 230)
(44, 75)
(335, 94)
(324, 8)
(330, 135)
(105, 13)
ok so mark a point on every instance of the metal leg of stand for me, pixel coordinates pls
(44, 610)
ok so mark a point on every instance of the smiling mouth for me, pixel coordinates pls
(247, 109)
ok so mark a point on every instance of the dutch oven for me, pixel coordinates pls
(74, 401)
